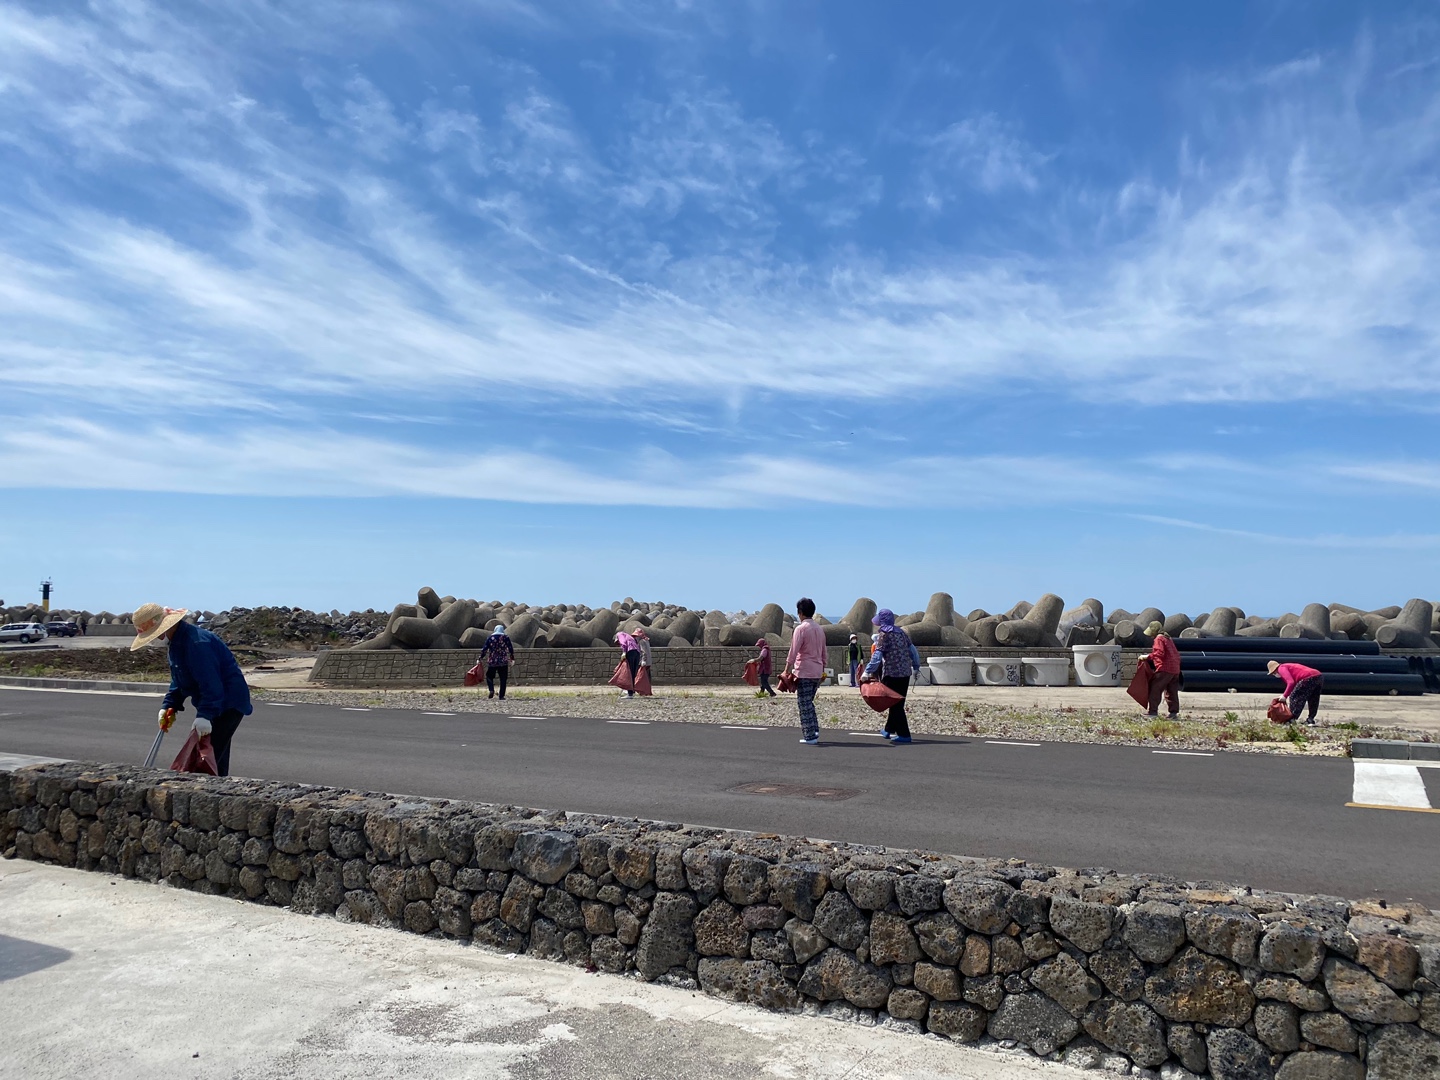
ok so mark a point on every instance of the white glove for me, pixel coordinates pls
(202, 726)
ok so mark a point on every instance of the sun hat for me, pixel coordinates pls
(759, 642)
(884, 619)
(152, 620)
(854, 637)
(1154, 628)
(1273, 666)
(638, 632)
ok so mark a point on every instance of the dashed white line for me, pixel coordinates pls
(869, 734)
(1183, 753)
(438, 714)
(737, 727)
(513, 717)
(351, 708)
(1002, 742)
(280, 704)
(638, 723)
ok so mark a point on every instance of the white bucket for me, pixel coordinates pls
(1097, 665)
(952, 670)
(997, 671)
(1046, 670)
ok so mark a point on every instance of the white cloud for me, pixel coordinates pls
(984, 152)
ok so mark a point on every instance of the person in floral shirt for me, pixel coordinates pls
(498, 653)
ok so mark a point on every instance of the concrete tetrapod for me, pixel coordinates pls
(940, 610)
(455, 619)
(416, 633)
(429, 601)
(1037, 627)
(1410, 629)
(770, 619)
(687, 625)
(983, 630)
(522, 629)
(1314, 623)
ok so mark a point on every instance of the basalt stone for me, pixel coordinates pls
(1006, 955)
(497, 935)
(627, 926)
(892, 941)
(1288, 988)
(763, 917)
(840, 920)
(962, 1023)
(1199, 988)
(987, 992)
(545, 857)
(485, 907)
(1321, 1065)
(941, 983)
(1277, 1025)
(1035, 1021)
(1122, 974)
(1132, 1030)
(1067, 983)
(1085, 924)
(595, 854)
(562, 909)
(1402, 1052)
(705, 872)
(755, 982)
(1233, 1055)
(1188, 1045)
(1154, 931)
(1361, 996)
(942, 939)
(805, 941)
(975, 960)
(1228, 932)
(906, 1004)
(1040, 946)
(871, 890)
(1330, 1030)
(632, 864)
(1292, 950)
(1394, 961)
(979, 903)
(419, 918)
(517, 906)
(771, 945)
(837, 975)
(666, 938)
(747, 880)
(720, 932)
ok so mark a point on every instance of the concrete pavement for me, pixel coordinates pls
(1267, 821)
(100, 976)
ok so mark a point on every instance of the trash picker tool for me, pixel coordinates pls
(160, 737)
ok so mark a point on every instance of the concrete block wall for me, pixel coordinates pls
(538, 667)
(1087, 967)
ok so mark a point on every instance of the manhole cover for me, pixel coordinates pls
(795, 791)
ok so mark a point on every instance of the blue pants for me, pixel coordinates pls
(805, 698)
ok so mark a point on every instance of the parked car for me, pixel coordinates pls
(25, 632)
(61, 629)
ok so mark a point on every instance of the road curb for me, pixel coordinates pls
(1394, 750)
(24, 681)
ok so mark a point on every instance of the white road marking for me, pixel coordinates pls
(640, 723)
(737, 727)
(280, 704)
(1389, 784)
(438, 714)
(513, 717)
(1183, 753)
(20, 761)
(869, 734)
(351, 708)
(157, 692)
(1002, 742)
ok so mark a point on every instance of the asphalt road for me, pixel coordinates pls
(1266, 821)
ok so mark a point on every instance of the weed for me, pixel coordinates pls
(1085, 724)
(1230, 718)
(1159, 729)
(832, 720)
(1348, 725)
(1107, 731)
(1252, 732)
(1296, 734)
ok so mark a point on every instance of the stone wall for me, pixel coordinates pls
(538, 667)
(1091, 967)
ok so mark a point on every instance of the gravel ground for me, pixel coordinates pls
(1233, 724)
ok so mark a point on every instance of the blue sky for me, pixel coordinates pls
(719, 303)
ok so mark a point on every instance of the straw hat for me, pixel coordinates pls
(1154, 628)
(151, 620)
(1272, 666)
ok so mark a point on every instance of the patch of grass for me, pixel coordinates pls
(1160, 729)
(1296, 734)
(1230, 718)
(832, 720)
(1348, 725)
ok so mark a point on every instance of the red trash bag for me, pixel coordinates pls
(475, 674)
(197, 755)
(1279, 711)
(788, 682)
(752, 672)
(879, 696)
(1140, 684)
(622, 678)
(642, 682)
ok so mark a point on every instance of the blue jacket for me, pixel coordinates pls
(203, 669)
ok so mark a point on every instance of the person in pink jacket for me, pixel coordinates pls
(1302, 687)
(807, 660)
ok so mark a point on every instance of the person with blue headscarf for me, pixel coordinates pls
(499, 654)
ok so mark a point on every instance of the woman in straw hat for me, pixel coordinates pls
(1166, 681)
(203, 669)
(1302, 687)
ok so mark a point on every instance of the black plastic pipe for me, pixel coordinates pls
(1278, 646)
(1251, 682)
